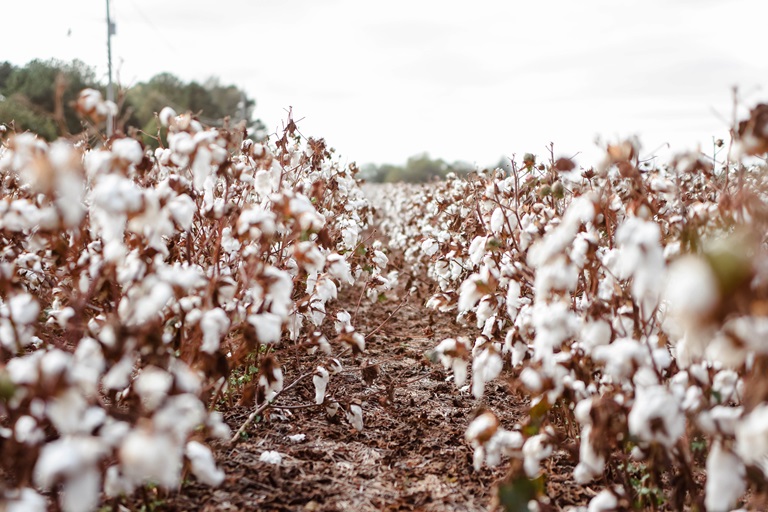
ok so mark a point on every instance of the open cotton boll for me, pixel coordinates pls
(203, 464)
(147, 456)
(128, 150)
(752, 437)
(271, 457)
(535, 449)
(152, 385)
(24, 500)
(656, 416)
(75, 461)
(726, 478)
(355, 416)
(485, 367)
(268, 326)
(604, 501)
(320, 380)
(214, 324)
(591, 464)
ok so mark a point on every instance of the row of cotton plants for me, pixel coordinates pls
(629, 301)
(135, 285)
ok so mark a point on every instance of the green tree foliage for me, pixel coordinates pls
(40, 96)
(418, 169)
(31, 95)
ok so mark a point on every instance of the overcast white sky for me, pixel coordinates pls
(462, 80)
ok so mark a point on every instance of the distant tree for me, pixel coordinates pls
(40, 95)
(417, 169)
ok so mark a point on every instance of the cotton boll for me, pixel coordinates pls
(203, 464)
(152, 385)
(535, 449)
(655, 406)
(147, 456)
(726, 478)
(320, 380)
(605, 501)
(271, 457)
(128, 150)
(591, 464)
(268, 326)
(485, 367)
(355, 416)
(24, 500)
(214, 325)
(752, 437)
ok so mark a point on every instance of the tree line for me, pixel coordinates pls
(40, 97)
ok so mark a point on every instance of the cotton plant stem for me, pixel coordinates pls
(263, 407)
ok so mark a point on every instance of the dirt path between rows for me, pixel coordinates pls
(411, 454)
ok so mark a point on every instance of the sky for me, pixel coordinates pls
(471, 81)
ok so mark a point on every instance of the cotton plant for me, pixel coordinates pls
(629, 289)
(141, 279)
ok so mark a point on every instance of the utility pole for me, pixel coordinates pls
(110, 87)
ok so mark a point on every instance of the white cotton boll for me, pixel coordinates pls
(531, 379)
(180, 415)
(343, 320)
(621, 357)
(535, 449)
(485, 367)
(380, 259)
(752, 437)
(214, 324)
(203, 464)
(186, 379)
(497, 221)
(339, 268)
(591, 464)
(482, 429)
(182, 208)
(24, 500)
(326, 289)
(216, 426)
(320, 380)
(605, 501)
(429, 247)
(128, 150)
(81, 491)
(469, 294)
(595, 333)
(166, 116)
(88, 365)
(24, 309)
(582, 411)
(513, 299)
(118, 377)
(692, 288)
(66, 411)
(152, 385)
(272, 384)
(271, 457)
(726, 479)
(355, 417)
(150, 457)
(720, 419)
(268, 326)
(459, 368)
(74, 460)
(26, 431)
(477, 249)
(655, 406)
(115, 484)
(297, 438)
